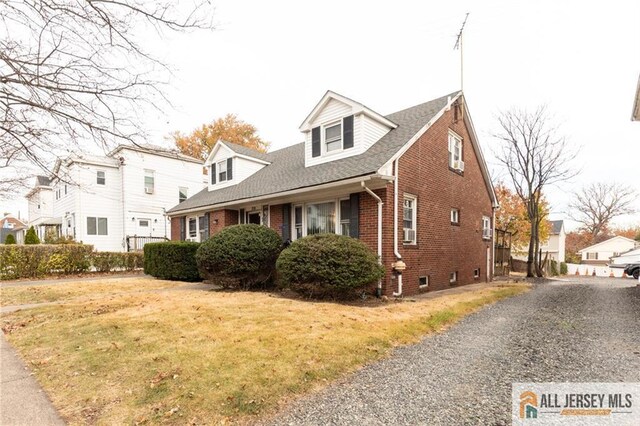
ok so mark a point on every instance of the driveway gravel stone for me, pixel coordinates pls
(577, 329)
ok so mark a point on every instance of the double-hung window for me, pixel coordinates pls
(486, 227)
(455, 151)
(222, 171)
(345, 217)
(97, 226)
(455, 216)
(333, 136)
(297, 219)
(321, 218)
(193, 227)
(182, 194)
(100, 177)
(409, 220)
(149, 181)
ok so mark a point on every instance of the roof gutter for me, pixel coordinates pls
(329, 185)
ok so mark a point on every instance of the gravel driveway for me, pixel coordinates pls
(579, 329)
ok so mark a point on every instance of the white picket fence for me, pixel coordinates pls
(600, 271)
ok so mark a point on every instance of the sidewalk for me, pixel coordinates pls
(22, 400)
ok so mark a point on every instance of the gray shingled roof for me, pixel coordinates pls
(249, 152)
(42, 181)
(556, 226)
(287, 171)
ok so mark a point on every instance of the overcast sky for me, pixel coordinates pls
(270, 62)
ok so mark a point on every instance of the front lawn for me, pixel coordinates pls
(191, 356)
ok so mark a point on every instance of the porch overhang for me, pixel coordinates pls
(316, 192)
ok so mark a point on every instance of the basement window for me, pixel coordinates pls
(476, 273)
(423, 282)
(453, 277)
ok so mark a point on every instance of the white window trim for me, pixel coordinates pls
(188, 236)
(458, 140)
(323, 140)
(337, 225)
(423, 285)
(486, 230)
(456, 212)
(219, 170)
(455, 277)
(104, 176)
(414, 219)
(476, 273)
(152, 174)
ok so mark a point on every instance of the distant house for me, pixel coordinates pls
(413, 185)
(115, 202)
(600, 253)
(631, 256)
(10, 224)
(555, 244)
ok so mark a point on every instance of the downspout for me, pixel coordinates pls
(380, 203)
(493, 243)
(398, 265)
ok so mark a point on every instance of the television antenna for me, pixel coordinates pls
(457, 46)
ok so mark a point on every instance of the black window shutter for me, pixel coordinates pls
(229, 168)
(213, 173)
(241, 213)
(286, 222)
(347, 132)
(354, 220)
(206, 225)
(183, 228)
(315, 142)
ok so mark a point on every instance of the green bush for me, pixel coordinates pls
(31, 237)
(68, 239)
(172, 260)
(554, 268)
(328, 265)
(10, 239)
(240, 256)
(563, 268)
(115, 261)
(33, 261)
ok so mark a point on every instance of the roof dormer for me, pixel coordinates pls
(230, 164)
(339, 127)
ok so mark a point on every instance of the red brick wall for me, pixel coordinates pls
(276, 219)
(441, 248)
(218, 219)
(175, 228)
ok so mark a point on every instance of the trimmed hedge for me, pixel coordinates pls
(328, 265)
(240, 256)
(105, 261)
(172, 260)
(33, 261)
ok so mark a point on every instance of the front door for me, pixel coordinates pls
(253, 217)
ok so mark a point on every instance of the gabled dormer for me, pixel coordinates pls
(339, 127)
(230, 164)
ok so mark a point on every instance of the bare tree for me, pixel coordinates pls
(535, 156)
(595, 205)
(73, 72)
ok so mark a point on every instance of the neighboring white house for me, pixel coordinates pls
(600, 253)
(556, 243)
(107, 200)
(631, 256)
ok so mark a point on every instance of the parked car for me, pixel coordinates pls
(632, 269)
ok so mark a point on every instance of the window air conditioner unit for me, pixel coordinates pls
(148, 190)
(409, 235)
(459, 165)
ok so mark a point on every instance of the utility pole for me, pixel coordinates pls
(458, 45)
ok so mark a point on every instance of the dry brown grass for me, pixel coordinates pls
(67, 291)
(188, 356)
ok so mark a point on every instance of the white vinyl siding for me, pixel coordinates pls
(242, 168)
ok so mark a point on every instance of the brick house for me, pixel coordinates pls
(358, 173)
